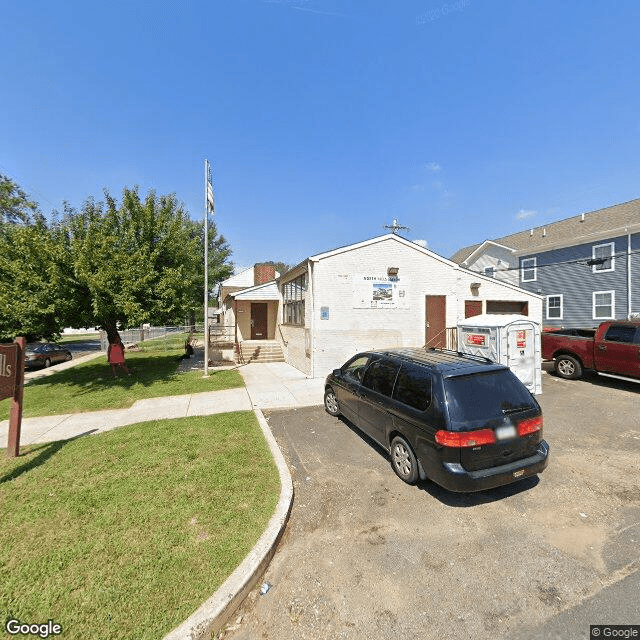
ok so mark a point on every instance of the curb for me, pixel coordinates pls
(214, 613)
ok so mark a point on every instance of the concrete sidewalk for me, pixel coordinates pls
(268, 386)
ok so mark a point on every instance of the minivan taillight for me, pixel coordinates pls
(459, 439)
(529, 426)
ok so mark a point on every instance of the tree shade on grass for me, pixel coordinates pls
(124, 534)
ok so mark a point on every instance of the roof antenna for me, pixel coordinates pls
(396, 226)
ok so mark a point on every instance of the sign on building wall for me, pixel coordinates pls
(379, 292)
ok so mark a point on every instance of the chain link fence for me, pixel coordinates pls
(164, 338)
(159, 338)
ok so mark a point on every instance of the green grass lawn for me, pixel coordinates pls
(90, 386)
(126, 533)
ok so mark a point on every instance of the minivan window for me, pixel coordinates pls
(380, 377)
(413, 387)
(487, 395)
(356, 367)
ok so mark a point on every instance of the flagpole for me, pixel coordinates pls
(207, 182)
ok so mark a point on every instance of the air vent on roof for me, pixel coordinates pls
(531, 232)
(582, 218)
(544, 233)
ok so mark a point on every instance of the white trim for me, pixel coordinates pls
(612, 245)
(523, 269)
(560, 317)
(613, 305)
(467, 260)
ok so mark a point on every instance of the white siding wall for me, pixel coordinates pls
(498, 259)
(350, 330)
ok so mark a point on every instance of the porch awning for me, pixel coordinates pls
(261, 292)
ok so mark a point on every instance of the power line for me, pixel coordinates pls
(585, 261)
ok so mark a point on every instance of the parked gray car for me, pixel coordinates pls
(44, 354)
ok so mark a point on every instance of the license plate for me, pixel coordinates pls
(505, 432)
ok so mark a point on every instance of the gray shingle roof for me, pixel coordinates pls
(570, 230)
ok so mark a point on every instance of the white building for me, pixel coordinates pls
(384, 292)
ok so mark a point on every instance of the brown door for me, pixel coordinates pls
(436, 321)
(472, 308)
(258, 320)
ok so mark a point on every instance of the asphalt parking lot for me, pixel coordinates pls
(366, 556)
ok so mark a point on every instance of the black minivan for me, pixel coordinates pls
(462, 421)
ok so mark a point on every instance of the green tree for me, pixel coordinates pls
(29, 302)
(32, 302)
(111, 264)
(15, 205)
(135, 262)
(219, 254)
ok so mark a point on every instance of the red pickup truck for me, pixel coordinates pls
(612, 349)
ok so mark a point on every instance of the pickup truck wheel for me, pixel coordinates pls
(568, 367)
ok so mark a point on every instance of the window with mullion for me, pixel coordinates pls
(293, 300)
(528, 269)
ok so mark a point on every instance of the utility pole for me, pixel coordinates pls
(209, 207)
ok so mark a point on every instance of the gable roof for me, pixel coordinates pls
(264, 291)
(618, 218)
(377, 239)
(406, 243)
(242, 279)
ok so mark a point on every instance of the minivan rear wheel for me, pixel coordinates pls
(403, 460)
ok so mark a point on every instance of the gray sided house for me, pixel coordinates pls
(587, 267)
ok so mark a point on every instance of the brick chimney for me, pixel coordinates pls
(263, 272)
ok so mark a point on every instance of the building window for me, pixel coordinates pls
(554, 307)
(293, 300)
(528, 271)
(605, 252)
(604, 304)
(489, 271)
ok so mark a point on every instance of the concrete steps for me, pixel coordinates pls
(260, 351)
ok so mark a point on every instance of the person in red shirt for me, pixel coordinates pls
(115, 356)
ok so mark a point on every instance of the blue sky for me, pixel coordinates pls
(326, 119)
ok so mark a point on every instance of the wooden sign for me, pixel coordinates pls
(9, 369)
(12, 384)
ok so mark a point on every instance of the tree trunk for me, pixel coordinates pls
(111, 327)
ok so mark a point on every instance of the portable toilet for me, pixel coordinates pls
(512, 340)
